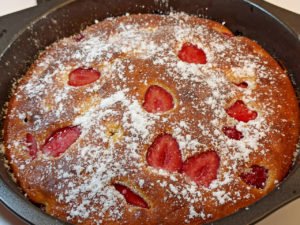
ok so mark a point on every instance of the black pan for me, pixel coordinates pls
(23, 35)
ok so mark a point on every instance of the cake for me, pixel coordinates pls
(151, 119)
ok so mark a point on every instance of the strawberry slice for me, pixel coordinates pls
(256, 176)
(32, 145)
(202, 168)
(242, 84)
(130, 197)
(164, 153)
(192, 54)
(240, 112)
(228, 35)
(61, 140)
(232, 133)
(157, 100)
(78, 37)
(82, 76)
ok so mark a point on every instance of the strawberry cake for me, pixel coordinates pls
(151, 119)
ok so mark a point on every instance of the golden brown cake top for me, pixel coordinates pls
(177, 122)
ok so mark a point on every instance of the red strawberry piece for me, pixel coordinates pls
(32, 145)
(232, 133)
(202, 168)
(242, 84)
(157, 100)
(256, 176)
(78, 37)
(82, 76)
(240, 112)
(61, 140)
(164, 153)
(192, 54)
(228, 35)
(130, 197)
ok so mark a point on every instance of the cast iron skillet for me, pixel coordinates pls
(52, 20)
